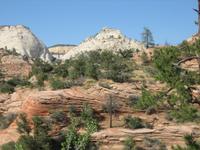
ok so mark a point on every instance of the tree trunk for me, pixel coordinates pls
(199, 16)
(110, 112)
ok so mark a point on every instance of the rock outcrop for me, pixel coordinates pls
(106, 39)
(14, 65)
(20, 39)
(60, 49)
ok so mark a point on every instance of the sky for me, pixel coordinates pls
(71, 21)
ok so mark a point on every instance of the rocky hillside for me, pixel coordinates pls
(106, 39)
(21, 40)
(150, 96)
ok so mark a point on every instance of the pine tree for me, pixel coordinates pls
(147, 38)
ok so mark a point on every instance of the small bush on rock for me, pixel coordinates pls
(8, 146)
(146, 101)
(129, 144)
(133, 122)
(6, 120)
(184, 113)
(6, 88)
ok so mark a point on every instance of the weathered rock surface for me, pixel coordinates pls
(106, 39)
(14, 65)
(59, 50)
(20, 39)
(170, 135)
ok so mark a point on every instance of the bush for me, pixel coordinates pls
(58, 84)
(126, 53)
(133, 122)
(74, 140)
(151, 110)
(6, 120)
(129, 144)
(104, 64)
(23, 126)
(144, 58)
(132, 100)
(185, 113)
(72, 110)
(58, 116)
(8, 146)
(6, 88)
(154, 144)
(89, 121)
(18, 82)
(191, 144)
(146, 101)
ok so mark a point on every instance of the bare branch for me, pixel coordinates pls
(186, 59)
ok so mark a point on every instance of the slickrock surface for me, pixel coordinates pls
(20, 39)
(171, 135)
(106, 39)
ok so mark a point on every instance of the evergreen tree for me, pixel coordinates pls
(147, 38)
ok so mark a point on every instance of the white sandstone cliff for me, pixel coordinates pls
(106, 39)
(23, 41)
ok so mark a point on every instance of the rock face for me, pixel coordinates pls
(193, 38)
(14, 65)
(20, 39)
(106, 39)
(60, 49)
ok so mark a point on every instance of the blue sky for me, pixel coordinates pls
(71, 21)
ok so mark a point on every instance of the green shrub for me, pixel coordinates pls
(8, 146)
(101, 64)
(146, 100)
(191, 144)
(132, 100)
(72, 110)
(144, 58)
(27, 142)
(154, 144)
(87, 112)
(133, 122)
(126, 53)
(6, 88)
(70, 138)
(18, 82)
(74, 140)
(82, 142)
(151, 110)
(129, 144)
(88, 118)
(6, 120)
(58, 84)
(58, 116)
(91, 125)
(185, 113)
(23, 126)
